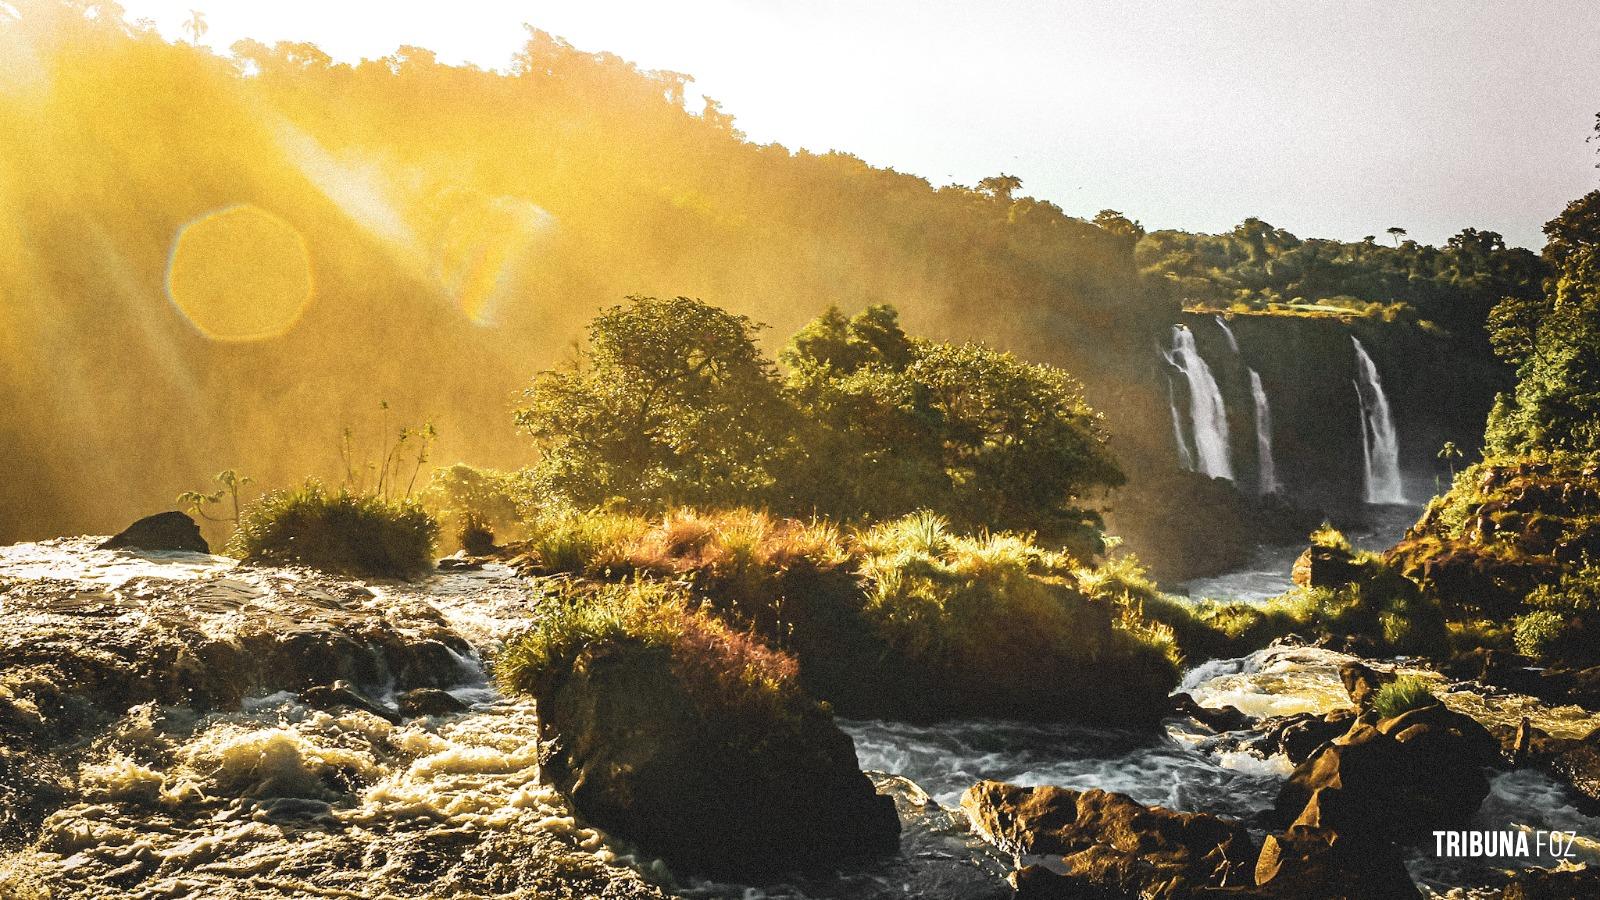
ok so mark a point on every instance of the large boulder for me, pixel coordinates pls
(162, 532)
(729, 796)
(1329, 567)
(1397, 781)
(1100, 844)
(1309, 863)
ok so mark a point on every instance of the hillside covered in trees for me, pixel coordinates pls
(228, 261)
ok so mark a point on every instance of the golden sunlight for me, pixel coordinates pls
(484, 247)
(240, 274)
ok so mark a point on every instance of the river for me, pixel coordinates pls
(235, 804)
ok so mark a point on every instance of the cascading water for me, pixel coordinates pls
(1185, 455)
(1380, 443)
(1268, 469)
(1207, 410)
(1233, 342)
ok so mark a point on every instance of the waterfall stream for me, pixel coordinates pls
(1268, 470)
(1233, 342)
(1380, 444)
(1207, 410)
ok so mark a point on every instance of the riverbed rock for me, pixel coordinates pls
(1299, 735)
(428, 702)
(1329, 567)
(344, 695)
(1310, 863)
(716, 794)
(1581, 883)
(1216, 718)
(1575, 761)
(1099, 844)
(162, 532)
(1361, 682)
(1397, 781)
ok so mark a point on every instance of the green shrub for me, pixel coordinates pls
(1330, 538)
(338, 532)
(726, 672)
(999, 610)
(1402, 695)
(583, 542)
(1538, 633)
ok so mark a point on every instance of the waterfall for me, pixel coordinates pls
(1380, 445)
(1207, 411)
(1185, 455)
(1268, 469)
(1233, 342)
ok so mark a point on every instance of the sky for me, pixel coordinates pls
(1329, 119)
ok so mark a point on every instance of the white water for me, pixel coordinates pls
(1380, 443)
(1207, 410)
(1269, 483)
(1233, 342)
(1185, 455)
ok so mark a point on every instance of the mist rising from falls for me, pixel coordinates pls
(1380, 444)
(1207, 411)
(1268, 470)
(1233, 342)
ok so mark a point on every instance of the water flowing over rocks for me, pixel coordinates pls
(1103, 844)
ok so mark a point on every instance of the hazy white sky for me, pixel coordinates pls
(1331, 119)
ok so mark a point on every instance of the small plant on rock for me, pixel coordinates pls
(1402, 695)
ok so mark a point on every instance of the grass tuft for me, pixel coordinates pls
(340, 532)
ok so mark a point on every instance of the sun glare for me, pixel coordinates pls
(483, 250)
(240, 274)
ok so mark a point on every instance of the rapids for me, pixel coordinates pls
(270, 798)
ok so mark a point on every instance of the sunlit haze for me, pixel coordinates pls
(1335, 120)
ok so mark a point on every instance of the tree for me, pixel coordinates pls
(196, 26)
(1019, 444)
(1396, 232)
(671, 403)
(1001, 187)
(1556, 404)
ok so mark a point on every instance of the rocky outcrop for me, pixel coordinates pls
(1325, 567)
(1582, 883)
(1310, 863)
(1362, 683)
(1098, 844)
(1575, 761)
(1394, 782)
(162, 532)
(718, 794)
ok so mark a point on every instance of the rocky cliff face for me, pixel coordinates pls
(1439, 388)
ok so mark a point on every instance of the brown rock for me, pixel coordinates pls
(1308, 863)
(1105, 844)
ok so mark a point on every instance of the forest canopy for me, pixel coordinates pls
(673, 403)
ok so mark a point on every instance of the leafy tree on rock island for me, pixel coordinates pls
(673, 403)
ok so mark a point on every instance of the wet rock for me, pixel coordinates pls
(1216, 718)
(344, 695)
(1302, 734)
(1309, 863)
(462, 562)
(723, 794)
(1100, 844)
(1582, 883)
(429, 702)
(1575, 761)
(1396, 782)
(168, 531)
(1361, 682)
(1328, 567)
